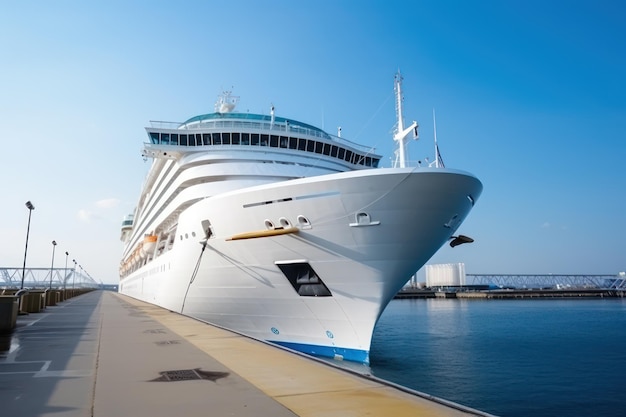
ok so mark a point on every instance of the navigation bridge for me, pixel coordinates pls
(57, 278)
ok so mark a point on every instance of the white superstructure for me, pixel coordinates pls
(278, 230)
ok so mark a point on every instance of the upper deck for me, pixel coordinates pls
(249, 129)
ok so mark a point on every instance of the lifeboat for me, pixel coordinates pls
(149, 243)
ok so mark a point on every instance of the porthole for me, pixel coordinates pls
(186, 236)
(303, 222)
(284, 223)
(193, 234)
(269, 225)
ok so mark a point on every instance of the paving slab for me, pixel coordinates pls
(103, 354)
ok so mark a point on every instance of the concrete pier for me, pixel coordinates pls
(103, 354)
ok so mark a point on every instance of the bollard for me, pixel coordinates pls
(50, 298)
(34, 301)
(8, 313)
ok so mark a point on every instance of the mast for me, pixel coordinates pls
(435, 137)
(438, 159)
(401, 133)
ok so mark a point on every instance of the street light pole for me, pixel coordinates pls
(54, 246)
(65, 277)
(30, 207)
(74, 274)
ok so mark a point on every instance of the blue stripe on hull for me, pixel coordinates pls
(354, 355)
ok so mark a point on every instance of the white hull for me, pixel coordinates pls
(406, 215)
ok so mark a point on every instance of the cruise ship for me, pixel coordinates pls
(278, 230)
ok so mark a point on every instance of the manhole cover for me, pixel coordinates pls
(167, 342)
(155, 331)
(189, 375)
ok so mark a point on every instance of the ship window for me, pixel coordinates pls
(226, 138)
(265, 139)
(154, 137)
(375, 162)
(326, 149)
(359, 159)
(206, 138)
(304, 280)
(165, 138)
(245, 139)
(293, 143)
(284, 141)
(235, 138)
(174, 139)
(255, 139)
(183, 140)
(302, 144)
(342, 153)
(217, 139)
(318, 147)
(333, 151)
(348, 156)
(198, 139)
(368, 161)
(274, 141)
(310, 146)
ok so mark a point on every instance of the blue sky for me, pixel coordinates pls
(530, 96)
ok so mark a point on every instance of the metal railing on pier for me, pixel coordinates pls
(548, 281)
(45, 278)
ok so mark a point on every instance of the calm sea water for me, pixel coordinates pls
(511, 358)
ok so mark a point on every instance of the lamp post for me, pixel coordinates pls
(30, 207)
(74, 274)
(54, 246)
(65, 277)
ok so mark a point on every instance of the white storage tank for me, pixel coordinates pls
(445, 275)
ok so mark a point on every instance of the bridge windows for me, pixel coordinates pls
(256, 139)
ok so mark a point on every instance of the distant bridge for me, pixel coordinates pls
(615, 282)
(45, 278)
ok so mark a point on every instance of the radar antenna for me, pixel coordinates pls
(226, 102)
